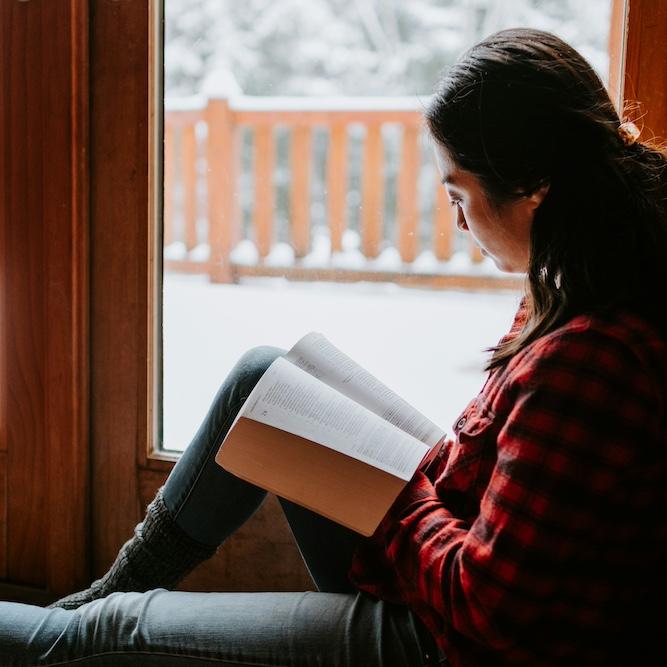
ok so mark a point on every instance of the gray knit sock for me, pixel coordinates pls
(158, 556)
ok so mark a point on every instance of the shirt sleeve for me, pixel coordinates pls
(579, 407)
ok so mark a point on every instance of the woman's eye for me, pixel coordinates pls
(455, 202)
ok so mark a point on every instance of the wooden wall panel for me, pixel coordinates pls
(645, 78)
(24, 299)
(43, 217)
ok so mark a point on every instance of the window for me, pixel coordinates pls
(301, 193)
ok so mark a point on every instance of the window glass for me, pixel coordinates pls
(300, 192)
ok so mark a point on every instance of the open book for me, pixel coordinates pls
(321, 431)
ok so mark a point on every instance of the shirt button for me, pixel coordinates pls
(461, 423)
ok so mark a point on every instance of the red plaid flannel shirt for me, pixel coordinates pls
(541, 538)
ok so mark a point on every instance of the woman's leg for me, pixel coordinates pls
(206, 504)
(201, 504)
(209, 503)
(175, 628)
(325, 546)
(206, 501)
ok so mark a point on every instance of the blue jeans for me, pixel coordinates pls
(337, 625)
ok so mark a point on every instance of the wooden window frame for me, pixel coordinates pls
(79, 353)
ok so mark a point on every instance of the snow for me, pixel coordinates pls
(220, 82)
(175, 251)
(245, 253)
(427, 345)
(389, 259)
(186, 103)
(281, 254)
(200, 253)
(329, 103)
(218, 87)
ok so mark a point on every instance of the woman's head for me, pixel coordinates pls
(527, 121)
(500, 228)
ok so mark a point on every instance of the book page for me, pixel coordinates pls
(316, 355)
(292, 400)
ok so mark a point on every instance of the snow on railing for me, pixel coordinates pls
(335, 188)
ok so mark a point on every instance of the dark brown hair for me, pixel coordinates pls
(522, 109)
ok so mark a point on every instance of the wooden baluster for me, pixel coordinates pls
(224, 229)
(300, 167)
(372, 204)
(189, 172)
(337, 184)
(473, 249)
(408, 209)
(444, 222)
(168, 192)
(263, 210)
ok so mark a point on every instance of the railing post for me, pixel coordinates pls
(443, 224)
(300, 166)
(408, 210)
(372, 204)
(189, 175)
(263, 210)
(168, 185)
(337, 184)
(223, 219)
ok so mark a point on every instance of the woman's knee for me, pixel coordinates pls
(253, 364)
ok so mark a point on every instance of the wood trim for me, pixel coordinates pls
(617, 44)
(5, 160)
(645, 65)
(470, 281)
(436, 281)
(44, 283)
(311, 119)
(68, 368)
(122, 261)
(3, 515)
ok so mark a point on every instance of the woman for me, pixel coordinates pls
(540, 538)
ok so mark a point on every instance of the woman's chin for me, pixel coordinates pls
(504, 266)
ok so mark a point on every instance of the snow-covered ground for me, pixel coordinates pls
(426, 345)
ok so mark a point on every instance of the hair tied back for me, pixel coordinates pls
(628, 133)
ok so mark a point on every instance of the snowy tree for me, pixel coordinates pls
(343, 47)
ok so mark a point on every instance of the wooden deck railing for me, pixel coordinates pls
(203, 176)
